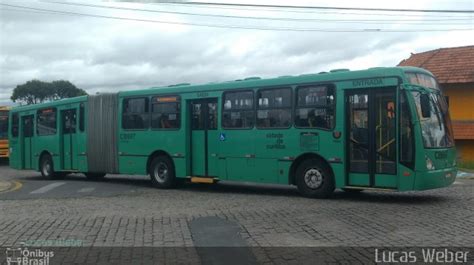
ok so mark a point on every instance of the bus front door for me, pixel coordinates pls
(371, 138)
(27, 130)
(203, 134)
(69, 142)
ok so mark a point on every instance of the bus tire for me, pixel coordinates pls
(314, 179)
(47, 168)
(94, 176)
(162, 172)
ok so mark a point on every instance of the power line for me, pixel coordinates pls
(232, 26)
(330, 7)
(314, 11)
(365, 21)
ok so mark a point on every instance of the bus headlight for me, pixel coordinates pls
(429, 164)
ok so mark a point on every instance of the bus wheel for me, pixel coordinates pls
(94, 176)
(47, 168)
(162, 172)
(314, 179)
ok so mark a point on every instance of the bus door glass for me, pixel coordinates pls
(371, 125)
(26, 141)
(203, 135)
(69, 141)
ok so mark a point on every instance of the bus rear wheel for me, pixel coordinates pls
(94, 176)
(162, 172)
(314, 179)
(47, 168)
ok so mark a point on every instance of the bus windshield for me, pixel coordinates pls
(436, 129)
(422, 80)
(3, 125)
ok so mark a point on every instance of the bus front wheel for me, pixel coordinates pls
(314, 179)
(162, 172)
(47, 168)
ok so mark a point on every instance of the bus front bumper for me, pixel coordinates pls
(433, 179)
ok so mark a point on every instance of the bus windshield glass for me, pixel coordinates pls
(436, 129)
(3, 125)
(422, 80)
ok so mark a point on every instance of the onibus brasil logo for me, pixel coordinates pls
(24, 256)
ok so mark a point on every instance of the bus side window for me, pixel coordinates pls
(135, 113)
(238, 110)
(15, 123)
(165, 113)
(315, 107)
(81, 117)
(46, 122)
(28, 126)
(274, 108)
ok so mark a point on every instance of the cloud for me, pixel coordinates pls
(111, 55)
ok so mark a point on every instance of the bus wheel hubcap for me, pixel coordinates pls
(161, 172)
(313, 178)
(47, 168)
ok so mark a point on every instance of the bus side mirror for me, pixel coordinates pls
(425, 105)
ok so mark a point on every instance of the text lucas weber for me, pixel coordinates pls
(426, 255)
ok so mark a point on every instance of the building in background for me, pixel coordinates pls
(454, 69)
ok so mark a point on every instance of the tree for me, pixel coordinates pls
(65, 89)
(36, 91)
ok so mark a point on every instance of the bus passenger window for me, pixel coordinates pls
(165, 113)
(81, 117)
(315, 107)
(238, 110)
(15, 124)
(28, 126)
(46, 123)
(274, 108)
(135, 113)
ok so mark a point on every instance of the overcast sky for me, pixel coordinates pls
(103, 54)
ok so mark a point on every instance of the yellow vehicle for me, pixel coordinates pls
(4, 152)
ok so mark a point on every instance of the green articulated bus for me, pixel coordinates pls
(381, 128)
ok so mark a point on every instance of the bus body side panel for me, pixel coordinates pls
(49, 144)
(81, 138)
(136, 146)
(14, 159)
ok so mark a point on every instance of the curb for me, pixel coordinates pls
(5, 185)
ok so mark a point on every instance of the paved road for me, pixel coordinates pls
(126, 211)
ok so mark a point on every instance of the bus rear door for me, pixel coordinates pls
(27, 129)
(371, 138)
(68, 138)
(203, 136)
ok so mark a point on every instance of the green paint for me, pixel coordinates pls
(255, 155)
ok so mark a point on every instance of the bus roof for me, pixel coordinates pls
(255, 82)
(50, 104)
(251, 82)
